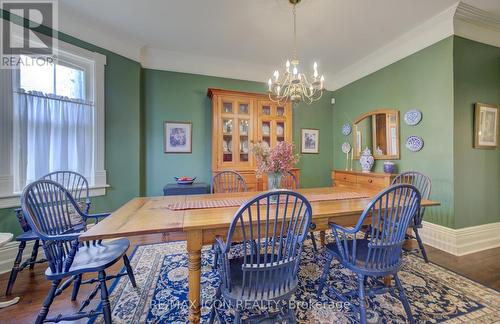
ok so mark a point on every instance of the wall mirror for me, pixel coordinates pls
(379, 131)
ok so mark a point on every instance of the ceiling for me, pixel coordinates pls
(247, 39)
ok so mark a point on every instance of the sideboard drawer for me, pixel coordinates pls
(344, 177)
(373, 181)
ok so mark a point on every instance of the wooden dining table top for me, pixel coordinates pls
(150, 215)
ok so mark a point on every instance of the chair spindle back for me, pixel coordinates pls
(75, 183)
(289, 181)
(423, 184)
(272, 227)
(47, 206)
(228, 181)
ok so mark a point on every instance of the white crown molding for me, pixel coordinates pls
(461, 241)
(478, 25)
(430, 32)
(75, 26)
(159, 59)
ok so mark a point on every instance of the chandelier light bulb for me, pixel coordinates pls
(270, 84)
(315, 66)
(295, 70)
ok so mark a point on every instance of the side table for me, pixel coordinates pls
(4, 239)
(197, 188)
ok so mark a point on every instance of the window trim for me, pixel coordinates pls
(97, 61)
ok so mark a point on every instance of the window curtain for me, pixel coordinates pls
(51, 133)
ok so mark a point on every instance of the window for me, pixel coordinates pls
(56, 79)
(52, 119)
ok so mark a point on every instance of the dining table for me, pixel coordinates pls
(199, 219)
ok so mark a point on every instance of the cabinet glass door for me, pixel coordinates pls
(244, 142)
(227, 140)
(280, 131)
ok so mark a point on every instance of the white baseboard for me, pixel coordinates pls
(8, 254)
(461, 241)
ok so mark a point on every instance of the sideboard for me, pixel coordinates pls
(371, 179)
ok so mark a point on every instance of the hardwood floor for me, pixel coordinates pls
(31, 286)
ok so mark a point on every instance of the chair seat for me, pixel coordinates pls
(94, 258)
(361, 249)
(27, 236)
(235, 265)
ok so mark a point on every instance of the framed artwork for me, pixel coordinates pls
(485, 126)
(310, 141)
(177, 137)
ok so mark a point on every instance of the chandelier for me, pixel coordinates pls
(293, 84)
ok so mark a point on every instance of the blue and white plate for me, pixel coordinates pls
(414, 143)
(413, 117)
(346, 129)
(346, 148)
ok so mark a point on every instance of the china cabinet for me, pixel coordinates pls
(240, 119)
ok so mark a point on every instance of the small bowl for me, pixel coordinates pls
(188, 181)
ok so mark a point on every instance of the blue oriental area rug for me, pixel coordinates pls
(436, 295)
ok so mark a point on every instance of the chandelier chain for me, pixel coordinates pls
(294, 32)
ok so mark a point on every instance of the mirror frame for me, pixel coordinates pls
(371, 113)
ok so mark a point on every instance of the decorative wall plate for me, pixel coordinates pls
(414, 143)
(346, 129)
(413, 117)
(346, 148)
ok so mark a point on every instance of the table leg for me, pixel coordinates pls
(194, 244)
(322, 238)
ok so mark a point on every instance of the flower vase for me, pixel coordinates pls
(273, 183)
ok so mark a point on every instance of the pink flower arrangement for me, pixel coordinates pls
(278, 159)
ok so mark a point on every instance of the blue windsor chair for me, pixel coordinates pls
(228, 181)
(391, 211)
(225, 182)
(266, 264)
(289, 181)
(424, 185)
(78, 186)
(47, 206)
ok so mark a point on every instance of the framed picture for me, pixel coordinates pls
(485, 126)
(177, 137)
(310, 141)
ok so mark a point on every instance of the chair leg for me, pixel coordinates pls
(216, 256)
(106, 306)
(404, 300)
(130, 272)
(326, 271)
(34, 254)
(15, 268)
(362, 301)
(76, 287)
(42, 315)
(420, 244)
(213, 311)
(313, 239)
(237, 316)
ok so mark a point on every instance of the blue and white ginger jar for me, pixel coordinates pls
(366, 160)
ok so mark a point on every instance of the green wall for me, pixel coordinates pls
(176, 96)
(424, 81)
(122, 162)
(477, 171)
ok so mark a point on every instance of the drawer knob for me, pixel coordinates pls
(370, 180)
